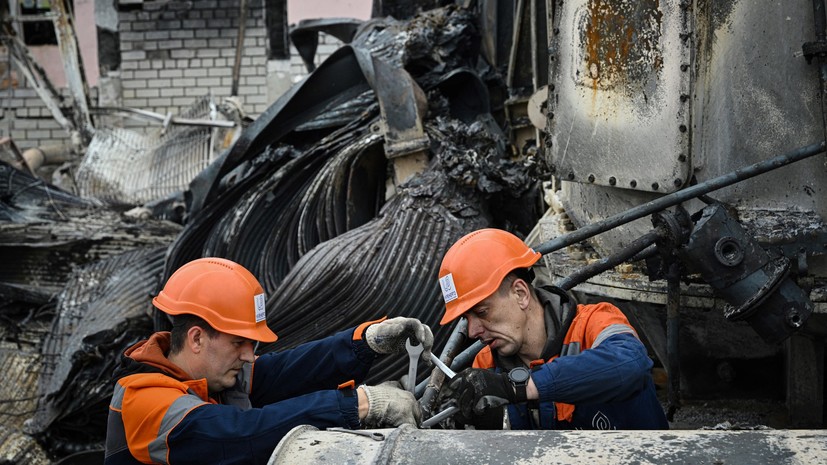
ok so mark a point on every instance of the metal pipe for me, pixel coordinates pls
(168, 119)
(466, 357)
(427, 390)
(636, 247)
(673, 325)
(444, 368)
(515, 40)
(460, 362)
(680, 196)
(440, 416)
(820, 24)
(6, 143)
(239, 46)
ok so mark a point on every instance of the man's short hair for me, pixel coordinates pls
(181, 324)
(526, 274)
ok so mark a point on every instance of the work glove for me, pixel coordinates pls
(389, 336)
(476, 391)
(389, 406)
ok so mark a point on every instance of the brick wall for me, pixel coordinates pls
(181, 51)
(26, 119)
(172, 53)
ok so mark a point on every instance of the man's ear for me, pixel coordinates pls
(195, 338)
(521, 292)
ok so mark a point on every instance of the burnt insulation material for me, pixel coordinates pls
(428, 45)
(48, 232)
(26, 199)
(20, 364)
(335, 90)
(104, 308)
(387, 267)
(191, 242)
(39, 257)
(334, 186)
(16, 447)
(336, 116)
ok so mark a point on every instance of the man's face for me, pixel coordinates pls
(499, 321)
(222, 357)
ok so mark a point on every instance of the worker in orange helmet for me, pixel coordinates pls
(556, 365)
(198, 394)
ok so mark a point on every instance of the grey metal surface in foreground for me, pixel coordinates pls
(408, 445)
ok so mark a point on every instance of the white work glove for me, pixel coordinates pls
(389, 407)
(389, 336)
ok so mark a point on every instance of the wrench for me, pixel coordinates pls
(448, 372)
(368, 434)
(414, 351)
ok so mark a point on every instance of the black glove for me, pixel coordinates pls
(476, 391)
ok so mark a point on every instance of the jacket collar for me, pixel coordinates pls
(153, 352)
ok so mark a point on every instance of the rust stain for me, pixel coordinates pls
(622, 43)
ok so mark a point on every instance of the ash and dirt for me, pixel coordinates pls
(729, 414)
(726, 412)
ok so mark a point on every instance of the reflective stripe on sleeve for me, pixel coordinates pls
(176, 412)
(115, 433)
(117, 397)
(611, 330)
(572, 348)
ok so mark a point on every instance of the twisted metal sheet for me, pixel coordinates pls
(103, 309)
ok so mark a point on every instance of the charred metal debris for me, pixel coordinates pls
(342, 197)
(302, 198)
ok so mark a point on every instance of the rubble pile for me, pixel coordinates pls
(302, 199)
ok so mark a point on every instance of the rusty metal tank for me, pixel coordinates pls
(648, 97)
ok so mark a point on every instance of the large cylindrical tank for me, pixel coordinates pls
(408, 445)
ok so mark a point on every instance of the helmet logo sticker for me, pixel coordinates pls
(259, 300)
(449, 291)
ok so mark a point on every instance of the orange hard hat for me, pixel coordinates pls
(475, 265)
(221, 292)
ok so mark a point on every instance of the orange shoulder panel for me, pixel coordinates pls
(484, 359)
(146, 399)
(591, 319)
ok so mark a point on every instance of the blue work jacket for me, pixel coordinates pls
(159, 415)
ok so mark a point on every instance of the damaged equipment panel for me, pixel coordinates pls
(620, 80)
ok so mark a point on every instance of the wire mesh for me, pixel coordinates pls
(126, 167)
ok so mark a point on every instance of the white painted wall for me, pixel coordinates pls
(298, 10)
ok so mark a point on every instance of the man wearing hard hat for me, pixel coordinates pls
(198, 394)
(557, 365)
